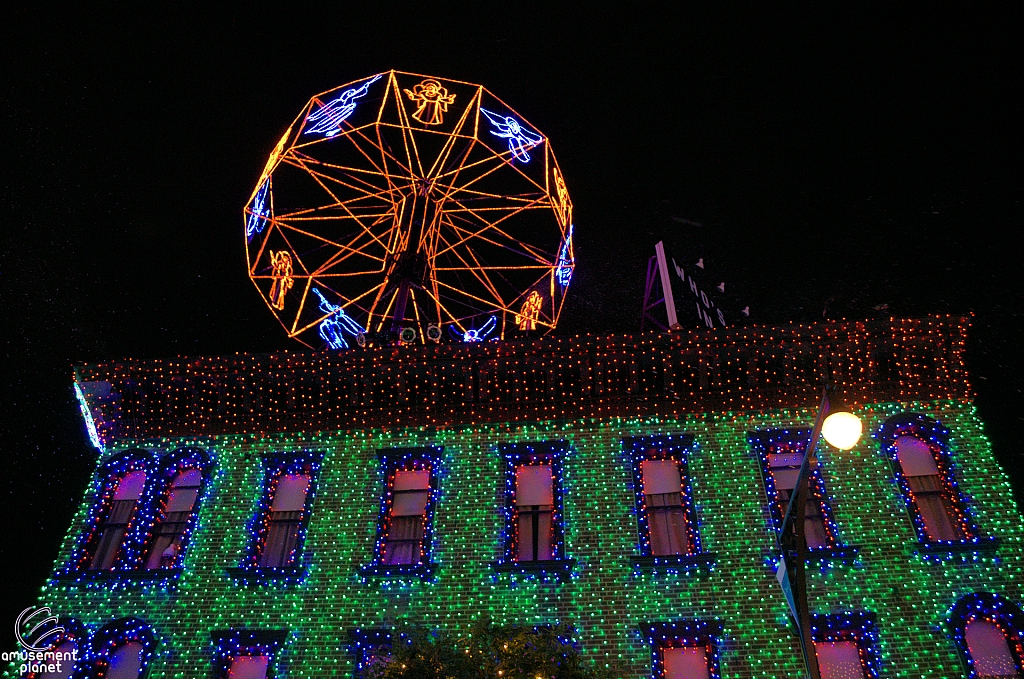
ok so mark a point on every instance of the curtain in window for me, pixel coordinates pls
(533, 509)
(989, 650)
(115, 524)
(664, 500)
(934, 503)
(283, 523)
(404, 541)
(686, 662)
(173, 520)
(784, 469)
(839, 660)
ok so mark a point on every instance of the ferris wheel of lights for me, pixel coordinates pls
(408, 208)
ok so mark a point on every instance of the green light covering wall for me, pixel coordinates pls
(604, 600)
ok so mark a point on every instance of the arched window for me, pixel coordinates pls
(246, 654)
(64, 656)
(989, 633)
(121, 650)
(182, 478)
(119, 514)
(917, 448)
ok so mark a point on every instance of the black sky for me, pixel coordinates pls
(836, 163)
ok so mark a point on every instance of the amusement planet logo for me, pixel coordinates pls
(37, 636)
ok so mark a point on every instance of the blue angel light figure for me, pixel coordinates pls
(563, 272)
(332, 114)
(474, 335)
(258, 216)
(520, 140)
(334, 327)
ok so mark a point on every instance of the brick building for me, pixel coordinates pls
(279, 514)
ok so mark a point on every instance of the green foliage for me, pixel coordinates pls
(510, 652)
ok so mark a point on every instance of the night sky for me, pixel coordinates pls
(824, 166)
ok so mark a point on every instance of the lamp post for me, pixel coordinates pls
(842, 429)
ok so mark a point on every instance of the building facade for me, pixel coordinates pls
(282, 515)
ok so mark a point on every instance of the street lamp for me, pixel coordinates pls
(841, 429)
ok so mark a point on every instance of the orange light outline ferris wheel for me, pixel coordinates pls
(402, 205)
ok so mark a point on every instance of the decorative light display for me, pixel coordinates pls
(543, 453)
(409, 201)
(75, 634)
(474, 335)
(842, 430)
(230, 645)
(275, 467)
(368, 645)
(1004, 614)
(673, 448)
(90, 424)
(588, 394)
(857, 627)
(793, 442)
(392, 461)
(104, 644)
(520, 139)
(702, 634)
(936, 436)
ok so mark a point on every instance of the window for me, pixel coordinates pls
(917, 447)
(285, 503)
(113, 529)
(121, 649)
(684, 650)
(989, 633)
(845, 644)
(666, 516)
(246, 654)
(183, 475)
(406, 511)
(533, 507)
(68, 649)
(781, 453)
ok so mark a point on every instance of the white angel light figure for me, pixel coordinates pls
(520, 140)
(332, 114)
(473, 334)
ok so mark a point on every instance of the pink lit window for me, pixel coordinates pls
(989, 650)
(248, 667)
(784, 468)
(686, 662)
(283, 523)
(839, 660)
(173, 519)
(125, 662)
(403, 544)
(663, 499)
(534, 502)
(933, 500)
(115, 524)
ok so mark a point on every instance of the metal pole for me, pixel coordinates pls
(794, 544)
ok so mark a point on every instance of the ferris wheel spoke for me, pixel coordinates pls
(491, 228)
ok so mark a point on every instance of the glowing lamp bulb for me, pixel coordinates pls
(842, 430)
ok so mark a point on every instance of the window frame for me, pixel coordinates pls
(936, 437)
(231, 644)
(539, 452)
(112, 636)
(107, 479)
(762, 443)
(76, 632)
(171, 465)
(684, 634)
(1005, 613)
(676, 447)
(855, 626)
(273, 467)
(393, 460)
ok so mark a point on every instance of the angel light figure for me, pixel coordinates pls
(526, 319)
(258, 215)
(333, 327)
(520, 140)
(473, 334)
(331, 115)
(433, 100)
(282, 275)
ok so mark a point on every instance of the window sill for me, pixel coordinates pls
(419, 570)
(157, 576)
(557, 567)
(289, 575)
(689, 564)
(940, 549)
(826, 556)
